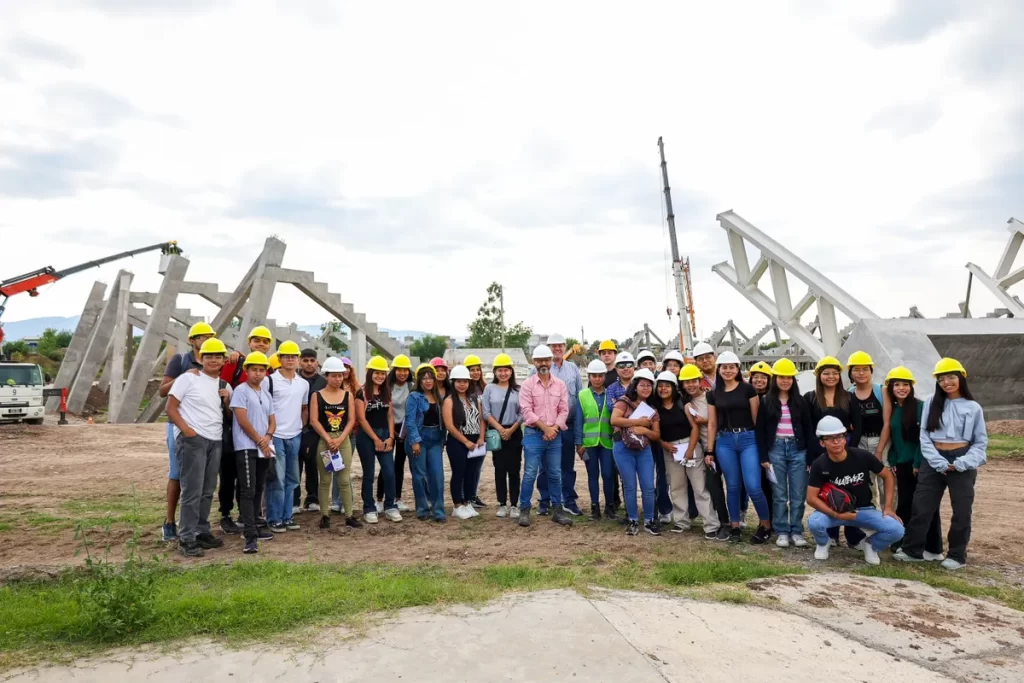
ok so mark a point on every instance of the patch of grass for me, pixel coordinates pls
(735, 596)
(726, 570)
(39, 519)
(5, 526)
(524, 578)
(1003, 446)
(940, 578)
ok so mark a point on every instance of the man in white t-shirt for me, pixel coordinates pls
(195, 406)
(291, 407)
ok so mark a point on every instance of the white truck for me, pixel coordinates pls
(21, 393)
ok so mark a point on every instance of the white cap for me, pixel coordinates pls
(459, 372)
(701, 348)
(596, 367)
(542, 351)
(666, 376)
(674, 355)
(646, 353)
(728, 357)
(644, 373)
(624, 357)
(556, 339)
(829, 426)
(332, 364)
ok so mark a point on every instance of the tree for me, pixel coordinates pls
(52, 343)
(570, 342)
(16, 347)
(429, 346)
(489, 329)
(334, 339)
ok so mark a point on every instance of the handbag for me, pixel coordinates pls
(492, 436)
(631, 439)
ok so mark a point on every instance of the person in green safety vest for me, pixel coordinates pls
(593, 432)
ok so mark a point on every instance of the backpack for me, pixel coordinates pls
(836, 498)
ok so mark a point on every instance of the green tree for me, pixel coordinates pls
(52, 343)
(486, 331)
(12, 348)
(334, 339)
(429, 346)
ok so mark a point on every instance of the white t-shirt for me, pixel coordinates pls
(289, 397)
(200, 404)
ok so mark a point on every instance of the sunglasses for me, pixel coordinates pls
(623, 366)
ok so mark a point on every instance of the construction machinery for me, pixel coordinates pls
(680, 269)
(31, 282)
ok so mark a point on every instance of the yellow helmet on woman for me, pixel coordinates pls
(784, 367)
(690, 371)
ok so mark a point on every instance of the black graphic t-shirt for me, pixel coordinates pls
(852, 474)
(376, 411)
(870, 414)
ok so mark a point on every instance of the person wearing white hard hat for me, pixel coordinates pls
(464, 422)
(647, 359)
(843, 475)
(732, 441)
(569, 373)
(631, 447)
(332, 413)
(593, 437)
(704, 359)
(673, 362)
(544, 404)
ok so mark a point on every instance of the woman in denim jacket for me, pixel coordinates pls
(424, 437)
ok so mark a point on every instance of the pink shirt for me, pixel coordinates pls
(549, 405)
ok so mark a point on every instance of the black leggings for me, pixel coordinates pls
(399, 468)
(906, 485)
(508, 461)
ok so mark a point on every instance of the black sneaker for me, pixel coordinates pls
(652, 527)
(632, 527)
(542, 509)
(679, 528)
(711, 536)
(264, 535)
(277, 528)
(761, 535)
(560, 516)
(353, 522)
(325, 523)
(190, 549)
(609, 512)
(251, 547)
(477, 503)
(595, 513)
(261, 522)
(722, 534)
(735, 535)
(228, 525)
(291, 525)
(208, 541)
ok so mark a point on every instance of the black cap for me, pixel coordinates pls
(308, 353)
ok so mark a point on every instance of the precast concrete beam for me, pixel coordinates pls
(1009, 301)
(79, 343)
(357, 350)
(263, 284)
(207, 290)
(96, 352)
(115, 371)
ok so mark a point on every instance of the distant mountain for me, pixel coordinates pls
(33, 327)
(314, 331)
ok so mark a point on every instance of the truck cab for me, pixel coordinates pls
(21, 393)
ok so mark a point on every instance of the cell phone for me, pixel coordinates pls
(586, 456)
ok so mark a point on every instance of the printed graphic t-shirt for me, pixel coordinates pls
(851, 475)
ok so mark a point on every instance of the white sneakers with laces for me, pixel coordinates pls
(502, 511)
(798, 541)
(782, 541)
(370, 518)
(460, 512)
(950, 563)
(933, 557)
(821, 552)
(513, 512)
(393, 515)
(870, 554)
(402, 507)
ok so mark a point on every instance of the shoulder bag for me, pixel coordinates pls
(492, 436)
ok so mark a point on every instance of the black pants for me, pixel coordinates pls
(230, 488)
(906, 485)
(307, 462)
(713, 481)
(399, 468)
(930, 487)
(508, 463)
(662, 502)
(252, 471)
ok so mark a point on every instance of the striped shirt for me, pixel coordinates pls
(785, 428)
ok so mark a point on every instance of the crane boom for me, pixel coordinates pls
(680, 273)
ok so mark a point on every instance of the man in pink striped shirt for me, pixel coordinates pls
(544, 403)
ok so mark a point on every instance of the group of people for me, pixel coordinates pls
(669, 435)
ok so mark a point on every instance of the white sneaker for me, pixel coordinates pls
(313, 507)
(335, 508)
(863, 544)
(380, 507)
(903, 557)
(782, 541)
(665, 519)
(870, 555)
(502, 511)
(393, 515)
(296, 509)
(798, 541)
(470, 511)
(933, 557)
(370, 518)
(513, 512)
(950, 563)
(821, 552)
(402, 507)
(460, 512)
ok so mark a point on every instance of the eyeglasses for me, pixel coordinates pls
(623, 366)
(949, 377)
(835, 438)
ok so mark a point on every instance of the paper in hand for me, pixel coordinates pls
(478, 452)
(771, 475)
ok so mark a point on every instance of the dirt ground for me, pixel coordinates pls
(50, 476)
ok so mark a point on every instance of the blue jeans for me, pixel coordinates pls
(281, 491)
(887, 529)
(737, 457)
(567, 467)
(368, 457)
(173, 471)
(790, 493)
(538, 452)
(599, 467)
(635, 465)
(427, 471)
(662, 501)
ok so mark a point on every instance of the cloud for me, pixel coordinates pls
(135, 8)
(910, 118)
(94, 106)
(56, 170)
(912, 21)
(33, 48)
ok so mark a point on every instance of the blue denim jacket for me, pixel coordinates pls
(415, 406)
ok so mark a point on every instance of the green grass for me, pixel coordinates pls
(726, 570)
(6, 526)
(1002, 446)
(942, 579)
(113, 512)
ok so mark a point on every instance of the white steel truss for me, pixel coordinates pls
(1004, 277)
(778, 261)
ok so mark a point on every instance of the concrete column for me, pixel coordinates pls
(79, 342)
(96, 351)
(117, 356)
(262, 285)
(357, 350)
(152, 338)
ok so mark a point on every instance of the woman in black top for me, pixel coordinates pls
(732, 415)
(376, 439)
(332, 419)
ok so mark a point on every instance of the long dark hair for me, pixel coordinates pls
(841, 400)
(633, 396)
(458, 410)
(419, 384)
(773, 404)
(720, 383)
(511, 380)
(908, 423)
(370, 390)
(939, 403)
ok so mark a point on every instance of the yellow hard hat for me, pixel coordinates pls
(200, 328)
(901, 373)
(502, 360)
(428, 366)
(213, 345)
(288, 348)
(947, 365)
(261, 332)
(607, 345)
(827, 362)
(472, 360)
(377, 363)
(256, 358)
(859, 358)
(275, 362)
(690, 371)
(402, 361)
(762, 367)
(784, 367)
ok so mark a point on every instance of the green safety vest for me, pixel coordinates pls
(597, 427)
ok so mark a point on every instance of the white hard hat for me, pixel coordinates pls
(728, 357)
(459, 372)
(596, 367)
(674, 355)
(829, 426)
(701, 348)
(332, 364)
(666, 376)
(542, 351)
(556, 339)
(646, 353)
(624, 357)
(644, 373)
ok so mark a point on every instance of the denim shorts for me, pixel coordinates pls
(173, 472)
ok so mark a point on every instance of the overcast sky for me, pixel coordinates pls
(411, 153)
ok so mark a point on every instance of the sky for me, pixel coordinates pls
(411, 153)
